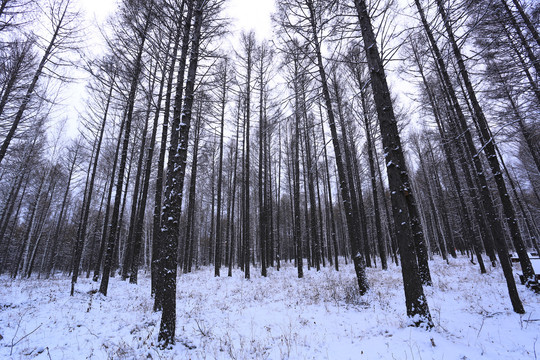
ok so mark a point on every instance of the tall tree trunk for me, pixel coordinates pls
(25, 246)
(129, 246)
(121, 170)
(175, 183)
(232, 202)
(52, 262)
(402, 199)
(355, 190)
(377, 212)
(156, 224)
(353, 227)
(262, 205)
(217, 262)
(246, 237)
(104, 232)
(330, 202)
(311, 179)
(138, 233)
(488, 144)
(184, 29)
(190, 233)
(88, 198)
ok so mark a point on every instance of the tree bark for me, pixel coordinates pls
(401, 192)
(175, 183)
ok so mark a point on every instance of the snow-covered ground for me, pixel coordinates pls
(279, 317)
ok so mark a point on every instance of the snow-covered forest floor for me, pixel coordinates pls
(279, 317)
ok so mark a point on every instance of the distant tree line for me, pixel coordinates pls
(291, 150)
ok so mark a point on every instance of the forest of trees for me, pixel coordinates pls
(362, 132)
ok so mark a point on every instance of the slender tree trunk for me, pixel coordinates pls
(149, 158)
(246, 238)
(355, 190)
(311, 179)
(130, 244)
(353, 227)
(52, 262)
(231, 211)
(121, 170)
(25, 246)
(190, 233)
(217, 262)
(185, 30)
(330, 202)
(175, 184)
(88, 198)
(262, 205)
(377, 212)
(402, 199)
(106, 225)
(488, 144)
(156, 228)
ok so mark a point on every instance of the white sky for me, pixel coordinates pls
(244, 14)
(97, 9)
(251, 15)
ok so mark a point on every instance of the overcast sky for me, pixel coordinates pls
(251, 15)
(245, 14)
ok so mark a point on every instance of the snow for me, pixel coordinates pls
(280, 317)
(536, 265)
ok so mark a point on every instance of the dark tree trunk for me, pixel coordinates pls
(121, 170)
(232, 202)
(330, 202)
(353, 227)
(129, 252)
(104, 232)
(52, 262)
(488, 144)
(219, 240)
(263, 221)
(138, 232)
(376, 209)
(175, 183)
(190, 233)
(184, 30)
(246, 251)
(402, 199)
(355, 189)
(461, 127)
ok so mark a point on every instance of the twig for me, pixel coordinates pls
(481, 326)
(199, 326)
(21, 339)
